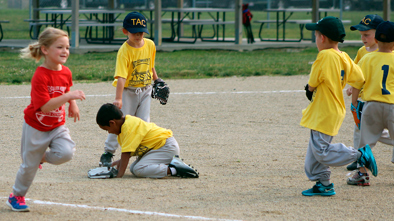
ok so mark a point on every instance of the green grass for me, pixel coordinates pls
(175, 65)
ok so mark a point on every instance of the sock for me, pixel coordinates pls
(325, 182)
(173, 171)
(359, 173)
(358, 155)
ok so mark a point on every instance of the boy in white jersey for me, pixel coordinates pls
(331, 71)
(367, 28)
(134, 73)
(378, 93)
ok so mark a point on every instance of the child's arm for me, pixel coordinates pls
(349, 91)
(121, 164)
(311, 88)
(119, 92)
(355, 93)
(73, 110)
(56, 102)
(154, 74)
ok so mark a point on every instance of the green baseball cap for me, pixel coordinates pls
(329, 26)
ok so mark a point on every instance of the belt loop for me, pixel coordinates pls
(138, 91)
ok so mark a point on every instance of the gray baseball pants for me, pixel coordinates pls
(384, 138)
(154, 164)
(34, 145)
(321, 154)
(135, 102)
(375, 118)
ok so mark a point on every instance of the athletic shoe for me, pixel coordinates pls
(359, 179)
(182, 169)
(17, 203)
(352, 166)
(368, 160)
(106, 159)
(320, 190)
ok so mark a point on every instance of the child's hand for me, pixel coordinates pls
(73, 111)
(349, 91)
(118, 103)
(77, 94)
(115, 163)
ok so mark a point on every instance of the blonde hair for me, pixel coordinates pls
(46, 38)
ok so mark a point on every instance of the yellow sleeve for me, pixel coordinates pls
(357, 78)
(122, 59)
(316, 76)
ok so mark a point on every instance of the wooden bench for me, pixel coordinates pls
(196, 32)
(215, 25)
(1, 28)
(300, 22)
(197, 28)
(35, 26)
(107, 31)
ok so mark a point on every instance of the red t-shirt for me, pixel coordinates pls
(47, 84)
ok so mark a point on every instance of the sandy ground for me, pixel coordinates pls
(242, 134)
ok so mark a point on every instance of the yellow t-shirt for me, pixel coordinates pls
(138, 136)
(331, 71)
(361, 52)
(378, 70)
(135, 64)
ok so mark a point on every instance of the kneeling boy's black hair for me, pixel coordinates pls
(108, 112)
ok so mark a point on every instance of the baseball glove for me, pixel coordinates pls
(160, 91)
(357, 112)
(308, 93)
(102, 173)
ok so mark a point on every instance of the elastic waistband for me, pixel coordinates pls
(138, 90)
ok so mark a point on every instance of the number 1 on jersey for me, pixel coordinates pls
(385, 69)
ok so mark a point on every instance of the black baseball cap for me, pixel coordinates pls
(385, 32)
(135, 22)
(329, 26)
(367, 23)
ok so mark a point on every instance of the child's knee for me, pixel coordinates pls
(64, 156)
(137, 171)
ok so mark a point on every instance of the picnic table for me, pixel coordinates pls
(285, 19)
(186, 16)
(103, 20)
(1, 28)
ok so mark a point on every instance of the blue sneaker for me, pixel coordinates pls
(17, 203)
(368, 160)
(320, 190)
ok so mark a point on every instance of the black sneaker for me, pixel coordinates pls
(106, 159)
(352, 166)
(182, 169)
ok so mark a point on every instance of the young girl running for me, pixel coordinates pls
(44, 119)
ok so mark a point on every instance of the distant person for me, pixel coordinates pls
(367, 28)
(330, 73)
(43, 125)
(246, 21)
(134, 73)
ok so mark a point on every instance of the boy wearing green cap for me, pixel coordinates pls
(331, 71)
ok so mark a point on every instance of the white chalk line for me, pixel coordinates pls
(122, 210)
(186, 93)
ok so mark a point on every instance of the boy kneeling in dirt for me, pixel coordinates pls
(156, 149)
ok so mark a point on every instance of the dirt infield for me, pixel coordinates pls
(242, 134)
